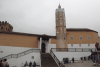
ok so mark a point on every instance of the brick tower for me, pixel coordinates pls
(5, 26)
(61, 28)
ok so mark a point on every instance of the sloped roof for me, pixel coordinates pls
(28, 34)
(80, 29)
(44, 35)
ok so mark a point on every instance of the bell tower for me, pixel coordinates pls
(60, 28)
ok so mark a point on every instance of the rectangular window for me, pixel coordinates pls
(88, 44)
(89, 37)
(72, 37)
(80, 37)
(80, 45)
(71, 45)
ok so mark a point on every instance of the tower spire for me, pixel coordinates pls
(59, 6)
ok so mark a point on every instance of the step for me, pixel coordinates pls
(48, 61)
(49, 66)
(45, 55)
(47, 58)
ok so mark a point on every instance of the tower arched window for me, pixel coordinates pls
(60, 22)
(64, 30)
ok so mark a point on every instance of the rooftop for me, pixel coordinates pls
(80, 29)
(44, 35)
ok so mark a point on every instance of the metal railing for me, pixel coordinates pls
(55, 58)
(73, 49)
(20, 54)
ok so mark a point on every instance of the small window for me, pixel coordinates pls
(1, 28)
(80, 45)
(89, 37)
(6, 29)
(71, 45)
(72, 37)
(81, 37)
(88, 44)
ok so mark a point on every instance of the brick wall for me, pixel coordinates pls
(18, 40)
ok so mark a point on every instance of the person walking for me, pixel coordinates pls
(30, 64)
(26, 63)
(7, 65)
(73, 59)
(4, 63)
(1, 63)
(34, 64)
(93, 57)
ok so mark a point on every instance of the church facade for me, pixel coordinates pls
(16, 42)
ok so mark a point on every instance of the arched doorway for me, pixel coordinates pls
(43, 48)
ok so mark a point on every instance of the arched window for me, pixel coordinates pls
(1, 28)
(80, 37)
(6, 29)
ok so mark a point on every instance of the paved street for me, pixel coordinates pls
(81, 64)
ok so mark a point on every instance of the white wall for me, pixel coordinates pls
(18, 61)
(75, 46)
(70, 55)
(82, 46)
(7, 50)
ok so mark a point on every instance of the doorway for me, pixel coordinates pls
(43, 48)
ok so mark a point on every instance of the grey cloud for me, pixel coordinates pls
(38, 16)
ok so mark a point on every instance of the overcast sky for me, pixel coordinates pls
(38, 16)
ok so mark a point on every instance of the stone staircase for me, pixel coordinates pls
(47, 60)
